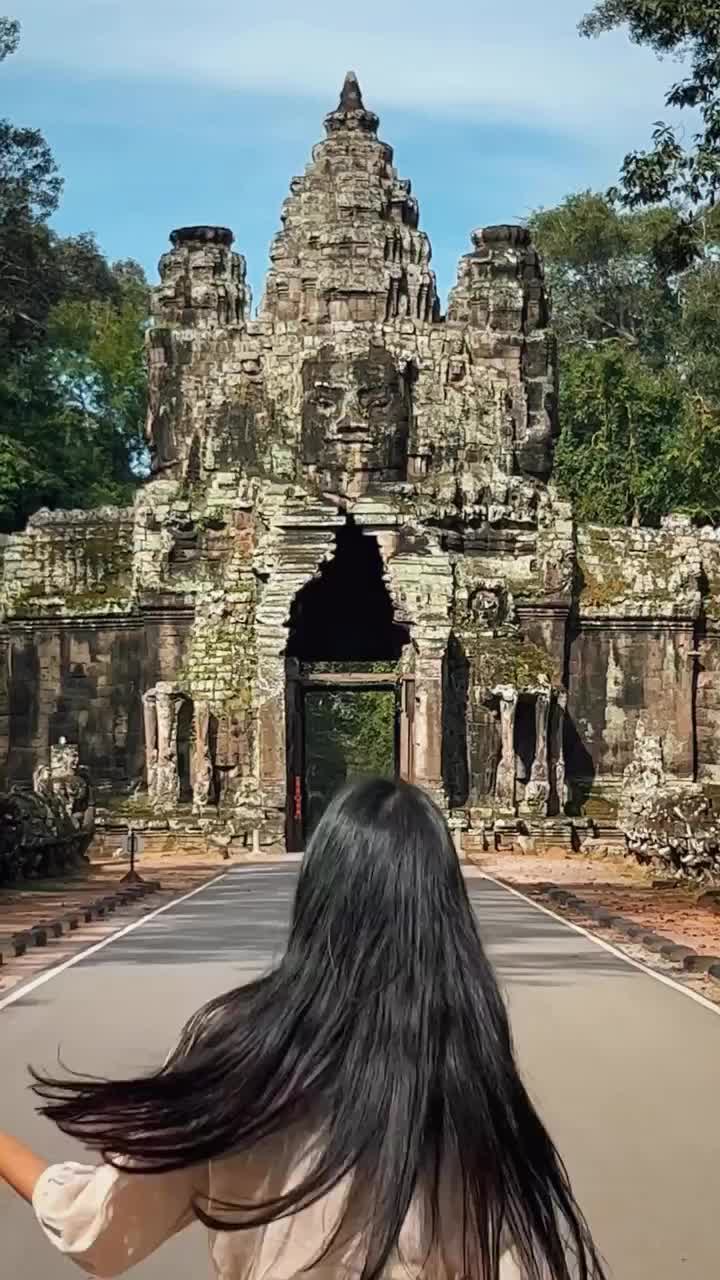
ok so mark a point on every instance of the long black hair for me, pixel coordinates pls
(382, 1029)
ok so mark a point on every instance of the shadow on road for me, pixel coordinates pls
(243, 922)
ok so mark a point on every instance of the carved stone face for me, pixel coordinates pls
(534, 455)
(355, 420)
(486, 606)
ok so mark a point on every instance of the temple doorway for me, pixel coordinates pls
(350, 733)
(349, 697)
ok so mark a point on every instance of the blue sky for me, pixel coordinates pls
(166, 112)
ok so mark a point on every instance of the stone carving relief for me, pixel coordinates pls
(203, 770)
(505, 778)
(161, 708)
(537, 792)
(202, 281)
(221, 761)
(644, 777)
(355, 420)
(487, 606)
(66, 782)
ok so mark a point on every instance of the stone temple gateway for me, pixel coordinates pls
(352, 493)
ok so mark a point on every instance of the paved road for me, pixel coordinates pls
(625, 1069)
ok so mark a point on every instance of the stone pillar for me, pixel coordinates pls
(50, 681)
(272, 734)
(557, 753)
(272, 744)
(203, 772)
(505, 781)
(161, 706)
(427, 725)
(151, 755)
(537, 793)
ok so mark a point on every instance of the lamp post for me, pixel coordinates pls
(132, 876)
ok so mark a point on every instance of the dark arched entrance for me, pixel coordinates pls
(346, 696)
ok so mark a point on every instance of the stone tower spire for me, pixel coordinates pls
(351, 112)
(500, 300)
(350, 248)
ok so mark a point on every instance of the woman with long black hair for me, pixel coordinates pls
(355, 1113)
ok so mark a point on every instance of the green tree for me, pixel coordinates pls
(30, 188)
(72, 410)
(617, 414)
(608, 272)
(688, 30)
(9, 36)
(72, 376)
(640, 367)
(98, 365)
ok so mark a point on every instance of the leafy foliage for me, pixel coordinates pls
(348, 735)
(72, 410)
(635, 444)
(640, 368)
(607, 271)
(72, 377)
(9, 36)
(688, 30)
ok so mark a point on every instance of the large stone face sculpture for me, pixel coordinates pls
(355, 420)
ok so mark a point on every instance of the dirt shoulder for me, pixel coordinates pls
(35, 903)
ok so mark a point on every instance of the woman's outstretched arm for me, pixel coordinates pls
(103, 1218)
(19, 1166)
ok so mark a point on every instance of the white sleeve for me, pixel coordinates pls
(107, 1220)
(509, 1269)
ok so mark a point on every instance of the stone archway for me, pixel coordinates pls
(348, 663)
(345, 614)
(416, 576)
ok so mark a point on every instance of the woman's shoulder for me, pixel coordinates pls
(280, 1158)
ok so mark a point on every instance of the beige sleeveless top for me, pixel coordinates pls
(108, 1221)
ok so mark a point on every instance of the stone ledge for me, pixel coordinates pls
(694, 963)
(685, 958)
(46, 931)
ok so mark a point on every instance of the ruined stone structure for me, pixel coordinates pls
(351, 489)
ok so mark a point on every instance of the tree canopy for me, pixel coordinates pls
(639, 362)
(688, 31)
(72, 374)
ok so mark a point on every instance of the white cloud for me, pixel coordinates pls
(518, 61)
